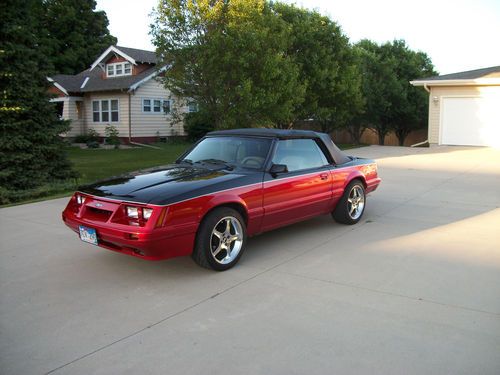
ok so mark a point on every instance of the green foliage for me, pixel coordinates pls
(77, 34)
(327, 66)
(91, 136)
(229, 57)
(31, 149)
(112, 136)
(391, 102)
(198, 124)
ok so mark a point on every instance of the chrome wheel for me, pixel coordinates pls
(226, 240)
(356, 202)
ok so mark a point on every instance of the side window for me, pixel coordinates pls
(96, 111)
(298, 154)
(146, 105)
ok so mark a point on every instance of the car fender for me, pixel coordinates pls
(355, 174)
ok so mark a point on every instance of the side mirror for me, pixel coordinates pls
(277, 169)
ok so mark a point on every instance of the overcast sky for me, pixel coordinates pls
(458, 35)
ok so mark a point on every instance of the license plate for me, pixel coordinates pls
(88, 235)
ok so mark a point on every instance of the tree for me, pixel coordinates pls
(391, 102)
(379, 87)
(229, 57)
(327, 67)
(412, 108)
(77, 34)
(31, 150)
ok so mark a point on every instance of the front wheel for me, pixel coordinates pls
(220, 240)
(351, 206)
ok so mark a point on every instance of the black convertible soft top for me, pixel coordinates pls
(339, 157)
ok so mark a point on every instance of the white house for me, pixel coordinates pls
(120, 89)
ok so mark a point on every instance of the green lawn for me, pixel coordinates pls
(96, 164)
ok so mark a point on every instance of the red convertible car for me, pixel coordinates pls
(230, 185)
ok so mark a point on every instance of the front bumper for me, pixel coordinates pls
(147, 242)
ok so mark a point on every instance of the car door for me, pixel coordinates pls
(305, 190)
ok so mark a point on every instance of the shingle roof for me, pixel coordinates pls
(493, 71)
(139, 55)
(96, 82)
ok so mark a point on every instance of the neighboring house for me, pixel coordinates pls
(120, 89)
(464, 108)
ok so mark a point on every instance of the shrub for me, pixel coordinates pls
(82, 138)
(112, 136)
(197, 124)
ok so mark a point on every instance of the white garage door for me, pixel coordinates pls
(472, 121)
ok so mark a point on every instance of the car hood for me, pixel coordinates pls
(167, 184)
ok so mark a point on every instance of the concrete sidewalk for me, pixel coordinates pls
(414, 288)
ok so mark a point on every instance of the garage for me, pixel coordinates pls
(464, 108)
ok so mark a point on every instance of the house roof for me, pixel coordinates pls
(483, 76)
(139, 55)
(93, 79)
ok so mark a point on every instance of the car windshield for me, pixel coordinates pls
(235, 151)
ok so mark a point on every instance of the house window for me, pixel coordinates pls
(119, 69)
(192, 106)
(96, 111)
(157, 105)
(146, 105)
(154, 105)
(105, 110)
(114, 110)
(166, 106)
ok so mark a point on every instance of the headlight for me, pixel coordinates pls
(146, 213)
(133, 212)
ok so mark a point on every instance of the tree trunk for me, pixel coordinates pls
(381, 138)
(401, 134)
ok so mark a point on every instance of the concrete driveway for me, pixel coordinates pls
(412, 289)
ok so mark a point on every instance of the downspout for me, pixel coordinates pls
(129, 118)
(130, 126)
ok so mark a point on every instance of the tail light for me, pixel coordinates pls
(79, 199)
(138, 213)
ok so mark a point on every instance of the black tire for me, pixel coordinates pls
(343, 211)
(207, 242)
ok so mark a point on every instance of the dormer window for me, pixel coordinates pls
(119, 69)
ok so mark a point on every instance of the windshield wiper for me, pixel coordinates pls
(217, 161)
(187, 161)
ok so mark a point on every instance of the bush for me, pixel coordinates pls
(197, 124)
(92, 138)
(82, 138)
(112, 136)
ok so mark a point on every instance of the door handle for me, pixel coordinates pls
(324, 176)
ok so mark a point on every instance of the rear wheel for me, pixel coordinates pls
(221, 239)
(351, 206)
